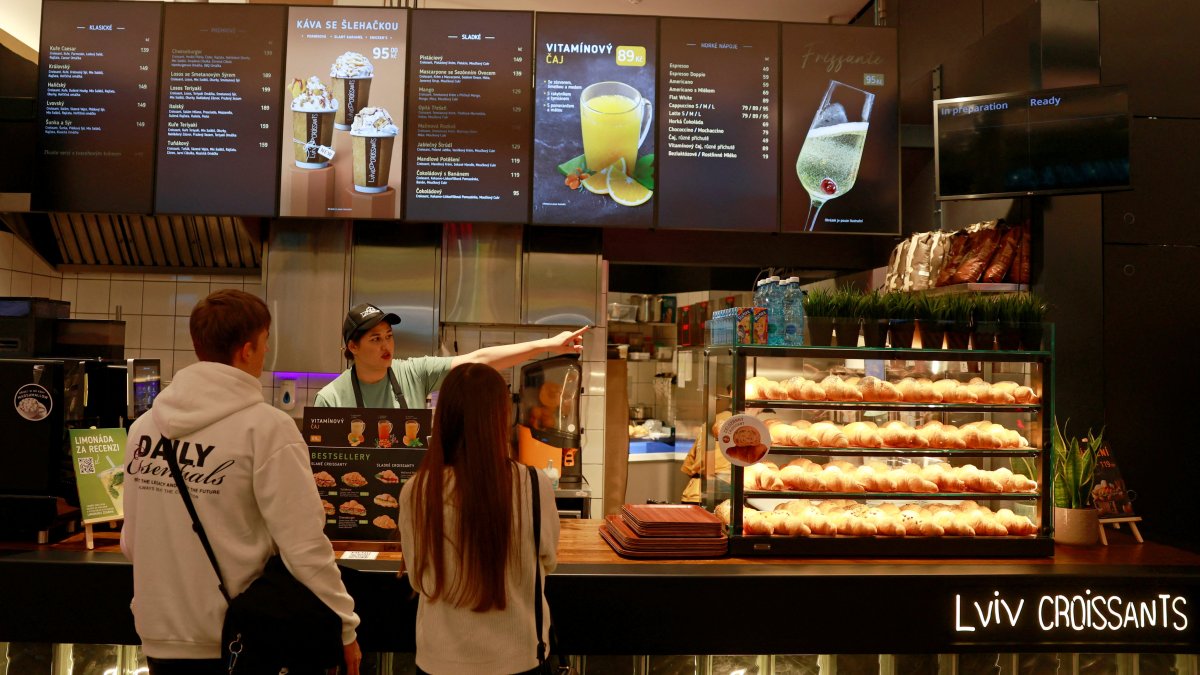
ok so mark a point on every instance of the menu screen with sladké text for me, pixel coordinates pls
(469, 100)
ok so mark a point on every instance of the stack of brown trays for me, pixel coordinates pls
(665, 531)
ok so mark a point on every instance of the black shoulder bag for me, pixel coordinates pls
(544, 665)
(277, 622)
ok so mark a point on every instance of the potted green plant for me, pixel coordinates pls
(901, 309)
(845, 315)
(957, 314)
(1030, 313)
(987, 322)
(818, 317)
(872, 309)
(930, 313)
(1008, 330)
(1076, 519)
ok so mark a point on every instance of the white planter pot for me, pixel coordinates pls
(1077, 527)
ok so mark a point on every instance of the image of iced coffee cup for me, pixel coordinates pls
(313, 110)
(371, 138)
(351, 73)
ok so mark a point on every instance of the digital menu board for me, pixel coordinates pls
(97, 89)
(218, 110)
(343, 107)
(840, 170)
(718, 124)
(595, 80)
(468, 104)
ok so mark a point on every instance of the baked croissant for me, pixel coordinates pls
(838, 390)
(803, 389)
(863, 435)
(876, 390)
(828, 435)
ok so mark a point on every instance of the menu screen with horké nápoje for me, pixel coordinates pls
(718, 130)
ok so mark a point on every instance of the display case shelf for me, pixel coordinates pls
(909, 496)
(877, 546)
(902, 452)
(893, 407)
(729, 367)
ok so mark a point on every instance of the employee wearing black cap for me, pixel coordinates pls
(375, 380)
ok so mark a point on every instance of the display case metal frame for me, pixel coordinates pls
(1042, 544)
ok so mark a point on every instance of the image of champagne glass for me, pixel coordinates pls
(828, 161)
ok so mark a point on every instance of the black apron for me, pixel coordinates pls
(358, 397)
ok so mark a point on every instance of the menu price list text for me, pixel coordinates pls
(97, 90)
(469, 103)
(218, 122)
(720, 124)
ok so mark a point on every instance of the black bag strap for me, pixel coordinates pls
(173, 462)
(535, 492)
(392, 382)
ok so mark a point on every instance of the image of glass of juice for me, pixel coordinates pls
(411, 427)
(614, 119)
(384, 428)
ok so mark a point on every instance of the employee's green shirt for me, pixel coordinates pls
(417, 377)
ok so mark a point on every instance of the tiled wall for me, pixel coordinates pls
(155, 308)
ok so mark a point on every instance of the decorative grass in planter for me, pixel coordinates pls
(930, 313)
(818, 317)
(987, 322)
(845, 315)
(872, 309)
(957, 312)
(1030, 313)
(1008, 331)
(901, 309)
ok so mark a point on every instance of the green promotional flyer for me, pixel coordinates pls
(99, 475)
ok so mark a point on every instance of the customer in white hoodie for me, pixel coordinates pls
(252, 485)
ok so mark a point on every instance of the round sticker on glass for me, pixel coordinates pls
(744, 440)
(33, 402)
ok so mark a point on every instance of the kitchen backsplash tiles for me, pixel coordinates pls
(158, 297)
(21, 284)
(125, 294)
(7, 241)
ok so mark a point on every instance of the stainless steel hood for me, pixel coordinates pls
(159, 243)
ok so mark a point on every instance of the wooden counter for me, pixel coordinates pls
(605, 604)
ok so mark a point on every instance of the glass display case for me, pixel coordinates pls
(884, 452)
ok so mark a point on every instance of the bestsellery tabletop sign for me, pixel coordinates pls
(360, 459)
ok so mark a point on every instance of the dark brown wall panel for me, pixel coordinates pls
(1152, 48)
(1150, 365)
(1164, 206)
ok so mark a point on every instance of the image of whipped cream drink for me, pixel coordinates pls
(313, 110)
(351, 73)
(371, 138)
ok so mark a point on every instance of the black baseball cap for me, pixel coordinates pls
(363, 318)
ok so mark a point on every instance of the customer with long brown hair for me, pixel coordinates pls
(467, 535)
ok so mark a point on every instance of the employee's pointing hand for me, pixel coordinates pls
(567, 342)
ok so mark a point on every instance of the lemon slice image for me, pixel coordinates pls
(597, 183)
(625, 190)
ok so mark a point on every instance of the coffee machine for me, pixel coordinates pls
(548, 430)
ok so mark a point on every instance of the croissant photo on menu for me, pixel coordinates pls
(747, 446)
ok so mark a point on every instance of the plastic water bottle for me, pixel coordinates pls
(773, 299)
(758, 293)
(551, 473)
(793, 313)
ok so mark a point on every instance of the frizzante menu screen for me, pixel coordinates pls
(718, 125)
(468, 106)
(218, 127)
(97, 75)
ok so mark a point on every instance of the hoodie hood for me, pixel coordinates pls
(207, 392)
